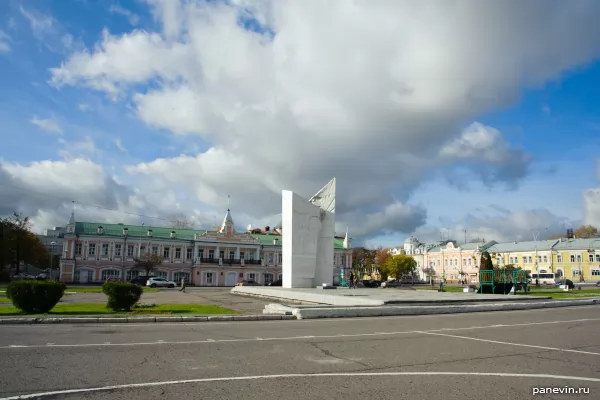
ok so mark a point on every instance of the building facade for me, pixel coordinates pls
(452, 262)
(96, 252)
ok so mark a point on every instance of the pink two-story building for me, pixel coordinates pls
(94, 252)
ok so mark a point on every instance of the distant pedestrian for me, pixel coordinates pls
(182, 285)
(351, 280)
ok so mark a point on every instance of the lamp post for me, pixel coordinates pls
(52, 244)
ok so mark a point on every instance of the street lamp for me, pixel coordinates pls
(52, 244)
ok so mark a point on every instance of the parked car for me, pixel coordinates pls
(371, 283)
(141, 280)
(391, 284)
(160, 282)
(278, 282)
(247, 283)
(567, 282)
(598, 283)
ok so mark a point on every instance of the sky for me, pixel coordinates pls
(438, 119)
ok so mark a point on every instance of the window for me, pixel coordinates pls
(529, 259)
(281, 258)
(221, 255)
(178, 253)
(437, 262)
(110, 274)
(117, 250)
(130, 251)
(252, 276)
(189, 253)
(468, 261)
(576, 272)
(178, 276)
(268, 278)
(270, 258)
(455, 261)
(446, 262)
(545, 259)
(539, 259)
(591, 258)
(559, 258)
(132, 274)
(209, 278)
(160, 274)
(343, 259)
(231, 255)
(572, 258)
(596, 272)
(201, 253)
(250, 256)
(464, 261)
(211, 254)
(155, 250)
(242, 255)
(578, 257)
(105, 250)
(597, 257)
(78, 249)
(92, 249)
(166, 252)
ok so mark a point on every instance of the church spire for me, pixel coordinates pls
(227, 225)
(346, 244)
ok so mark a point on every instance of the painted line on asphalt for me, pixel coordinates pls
(291, 376)
(331, 321)
(254, 339)
(511, 343)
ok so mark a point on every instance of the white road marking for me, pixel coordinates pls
(291, 376)
(335, 336)
(331, 321)
(510, 343)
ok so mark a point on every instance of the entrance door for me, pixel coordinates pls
(231, 279)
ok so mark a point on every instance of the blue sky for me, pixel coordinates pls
(557, 123)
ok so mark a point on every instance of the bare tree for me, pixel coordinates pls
(184, 223)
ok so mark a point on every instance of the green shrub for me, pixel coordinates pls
(121, 295)
(35, 297)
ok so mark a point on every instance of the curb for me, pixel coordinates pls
(353, 312)
(130, 320)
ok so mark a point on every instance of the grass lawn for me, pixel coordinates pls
(453, 289)
(99, 289)
(100, 309)
(559, 294)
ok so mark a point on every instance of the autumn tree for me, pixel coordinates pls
(478, 240)
(148, 261)
(184, 224)
(586, 232)
(485, 262)
(381, 257)
(18, 244)
(399, 266)
(362, 258)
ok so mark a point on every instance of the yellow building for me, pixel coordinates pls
(577, 259)
(531, 256)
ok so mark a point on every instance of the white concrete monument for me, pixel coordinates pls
(308, 228)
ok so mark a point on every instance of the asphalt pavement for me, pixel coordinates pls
(499, 355)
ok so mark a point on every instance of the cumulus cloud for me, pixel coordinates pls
(374, 93)
(504, 225)
(132, 17)
(45, 190)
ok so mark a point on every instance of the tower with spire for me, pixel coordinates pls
(227, 225)
(346, 243)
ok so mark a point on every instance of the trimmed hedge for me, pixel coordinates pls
(35, 297)
(121, 295)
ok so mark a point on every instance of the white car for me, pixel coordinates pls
(160, 282)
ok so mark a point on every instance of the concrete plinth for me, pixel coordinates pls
(373, 297)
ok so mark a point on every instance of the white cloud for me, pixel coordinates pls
(133, 18)
(4, 42)
(48, 125)
(77, 149)
(120, 146)
(40, 24)
(374, 93)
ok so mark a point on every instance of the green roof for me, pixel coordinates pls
(133, 231)
(91, 228)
